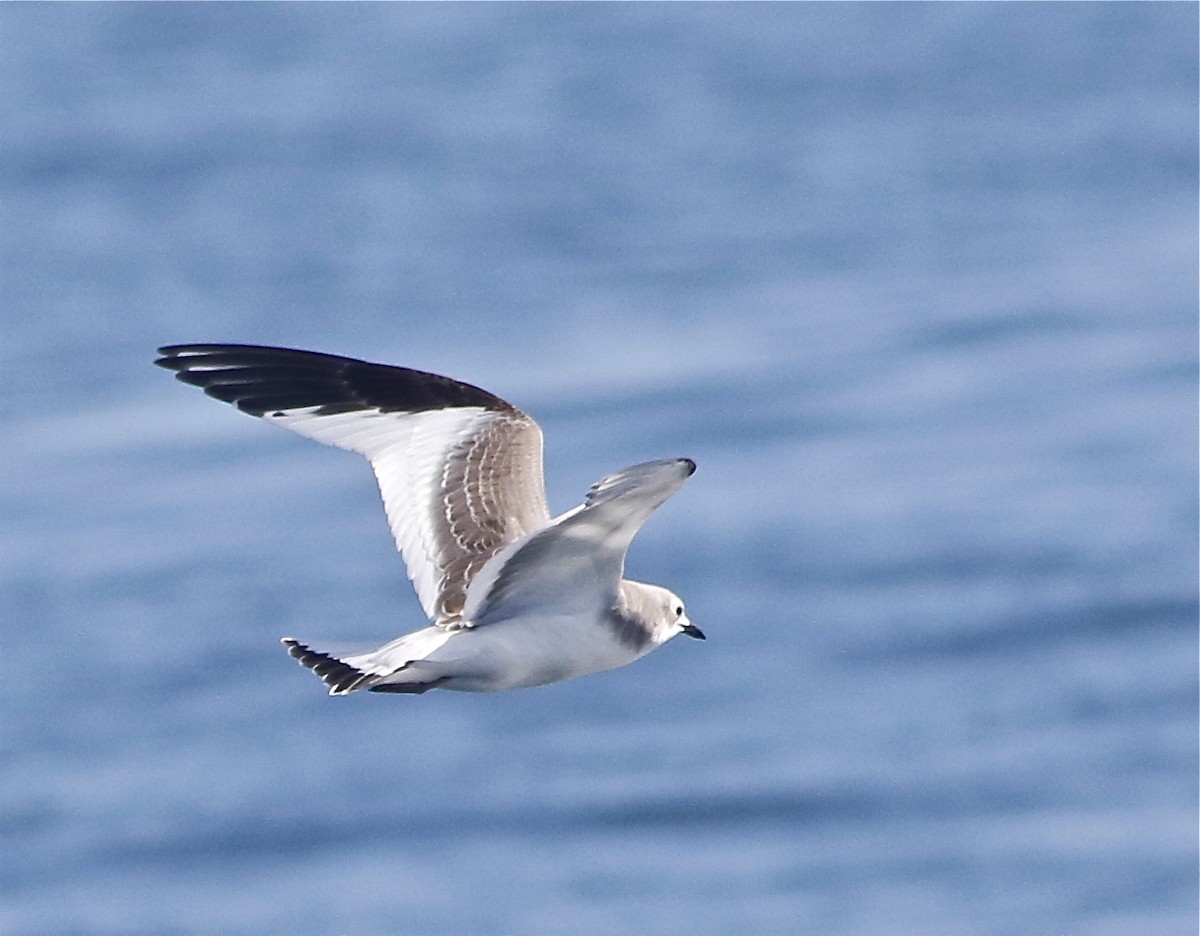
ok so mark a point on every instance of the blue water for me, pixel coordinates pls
(914, 284)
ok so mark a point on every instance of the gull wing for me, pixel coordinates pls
(459, 469)
(574, 566)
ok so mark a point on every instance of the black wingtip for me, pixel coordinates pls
(259, 379)
(166, 356)
(171, 355)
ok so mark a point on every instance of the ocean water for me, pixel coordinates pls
(915, 285)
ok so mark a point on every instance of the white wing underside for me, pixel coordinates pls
(465, 499)
(458, 485)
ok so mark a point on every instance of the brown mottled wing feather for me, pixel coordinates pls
(456, 495)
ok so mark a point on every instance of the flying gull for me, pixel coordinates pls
(516, 598)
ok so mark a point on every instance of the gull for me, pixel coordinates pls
(515, 597)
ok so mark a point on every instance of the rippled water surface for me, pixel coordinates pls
(914, 285)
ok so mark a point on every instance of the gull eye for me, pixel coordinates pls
(678, 610)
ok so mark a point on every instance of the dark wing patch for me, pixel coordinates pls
(260, 380)
(410, 688)
(340, 677)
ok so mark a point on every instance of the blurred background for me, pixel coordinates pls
(915, 285)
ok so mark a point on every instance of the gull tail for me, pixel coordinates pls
(398, 666)
(337, 674)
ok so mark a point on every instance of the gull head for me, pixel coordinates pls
(663, 611)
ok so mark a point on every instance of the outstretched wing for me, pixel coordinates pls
(460, 470)
(574, 565)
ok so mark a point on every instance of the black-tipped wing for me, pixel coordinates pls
(459, 469)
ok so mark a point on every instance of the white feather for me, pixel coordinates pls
(408, 453)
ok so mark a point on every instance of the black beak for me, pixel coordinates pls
(693, 631)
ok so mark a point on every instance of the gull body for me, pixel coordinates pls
(515, 597)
